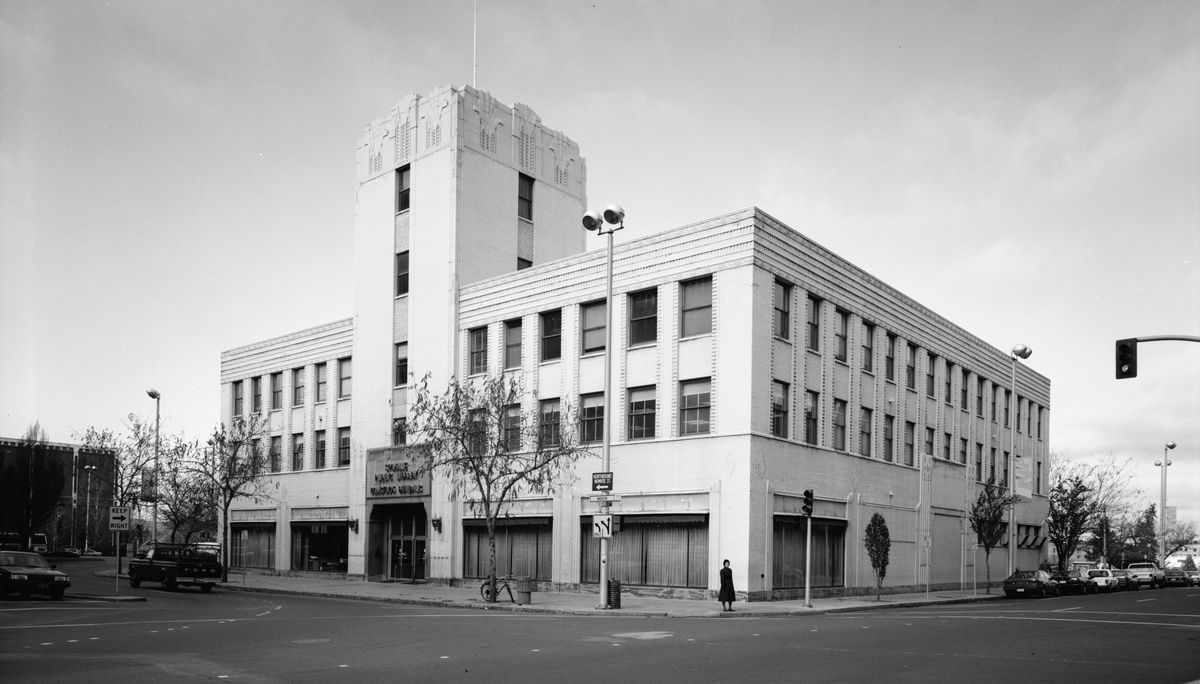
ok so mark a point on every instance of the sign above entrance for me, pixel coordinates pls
(395, 473)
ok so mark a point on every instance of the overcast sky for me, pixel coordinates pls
(176, 177)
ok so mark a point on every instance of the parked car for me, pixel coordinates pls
(174, 565)
(1074, 581)
(1146, 573)
(1105, 579)
(27, 573)
(1175, 577)
(1194, 576)
(1030, 583)
(1124, 581)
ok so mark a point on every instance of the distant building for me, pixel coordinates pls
(749, 364)
(83, 478)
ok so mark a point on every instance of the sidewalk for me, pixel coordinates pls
(566, 603)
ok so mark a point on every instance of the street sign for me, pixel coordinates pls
(602, 482)
(605, 498)
(118, 518)
(602, 526)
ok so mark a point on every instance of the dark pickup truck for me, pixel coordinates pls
(174, 565)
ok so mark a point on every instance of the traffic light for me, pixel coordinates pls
(808, 502)
(1127, 358)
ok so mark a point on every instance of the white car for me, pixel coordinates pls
(1104, 578)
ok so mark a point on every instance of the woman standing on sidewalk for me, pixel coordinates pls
(726, 595)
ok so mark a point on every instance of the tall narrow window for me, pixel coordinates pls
(276, 453)
(402, 273)
(591, 418)
(256, 393)
(814, 323)
(477, 432)
(322, 381)
(512, 343)
(964, 392)
(696, 307)
(910, 437)
(948, 390)
(512, 428)
(811, 403)
(399, 431)
(779, 408)
(401, 372)
(979, 463)
(524, 197)
(319, 444)
(842, 336)
(930, 376)
(947, 446)
(298, 451)
(551, 334)
(477, 346)
(694, 406)
(297, 387)
(992, 466)
(276, 391)
(550, 424)
(643, 317)
(642, 412)
(979, 397)
(928, 442)
(865, 418)
(910, 368)
(782, 321)
(344, 446)
(868, 347)
(962, 450)
(403, 181)
(1007, 408)
(238, 399)
(591, 323)
(890, 358)
(345, 379)
(1004, 474)
(839, 424)
(889, 438)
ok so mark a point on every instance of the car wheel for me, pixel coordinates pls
(206, 587)
(135, 581)
(1042, 593)
(1010, 594)
(56, 593)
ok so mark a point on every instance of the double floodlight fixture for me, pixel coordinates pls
(613, 214)
(1021, 351)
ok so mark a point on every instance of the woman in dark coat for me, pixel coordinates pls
(726, 595)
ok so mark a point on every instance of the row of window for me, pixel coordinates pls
(321, 459)
(782, 329)
(695, 316)
(299, 389)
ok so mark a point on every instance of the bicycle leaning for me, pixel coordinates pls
(501, 585)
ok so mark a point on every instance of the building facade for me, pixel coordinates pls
(749, 364)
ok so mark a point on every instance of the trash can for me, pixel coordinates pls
(524, 587)
(614, 593)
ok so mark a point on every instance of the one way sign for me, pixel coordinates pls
(118, 518)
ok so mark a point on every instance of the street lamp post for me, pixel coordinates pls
(87, 510)
(614, 217)
(1162, 510)
(1018, 352)
(153, 394)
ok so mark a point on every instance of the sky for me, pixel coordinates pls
(177, 177)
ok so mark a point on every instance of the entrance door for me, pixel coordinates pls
(413, 568)
(407, 550)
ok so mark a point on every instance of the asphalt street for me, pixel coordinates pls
(1148, 636)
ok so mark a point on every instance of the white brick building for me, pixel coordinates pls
(749, 364)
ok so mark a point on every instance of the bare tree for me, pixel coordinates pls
(489, 450)
(1181, 535)
(879, 544)
(1072, 507)
(987, 520)
(185, 498)
(233, 467)
(135, 454)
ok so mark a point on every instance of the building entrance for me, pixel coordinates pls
(406, 534)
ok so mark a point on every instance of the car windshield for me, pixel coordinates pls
(1097, 573)
(28, 560)
(1024, 574)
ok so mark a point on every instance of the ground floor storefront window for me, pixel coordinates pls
(829, 545)
(651, 550)
(319, 547)
(252, 545)
(523, 548)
